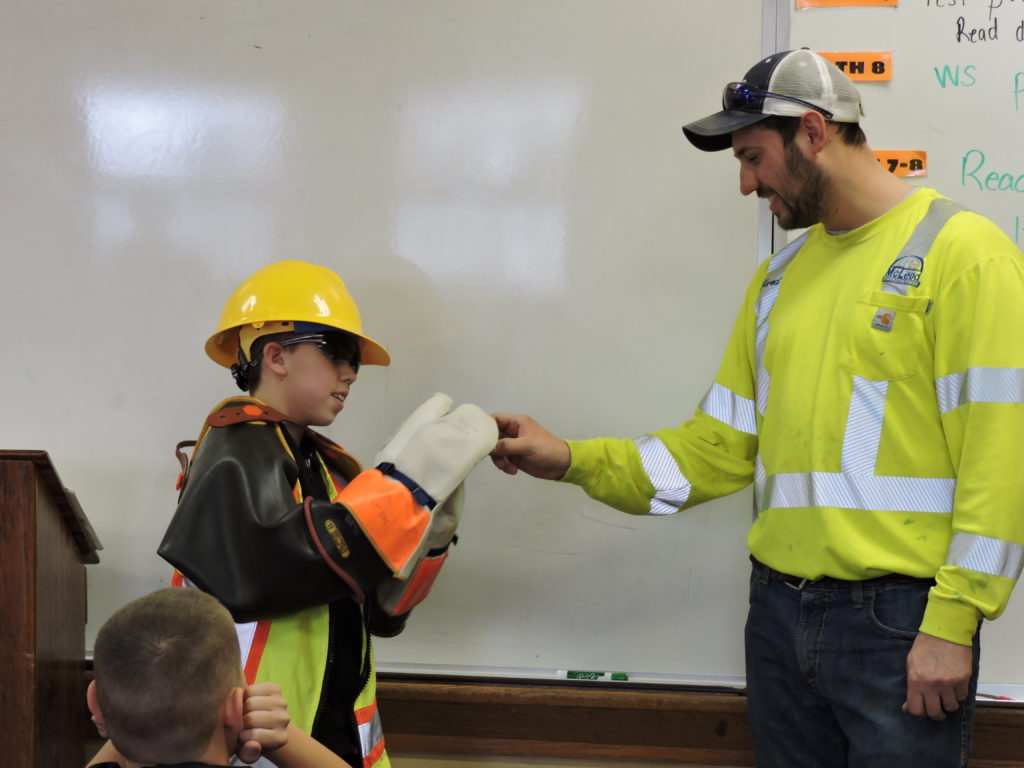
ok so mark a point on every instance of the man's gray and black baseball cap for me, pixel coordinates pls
(787, 84)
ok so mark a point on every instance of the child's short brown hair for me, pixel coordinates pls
(164, 665)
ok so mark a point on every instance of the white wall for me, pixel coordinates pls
(507, 192)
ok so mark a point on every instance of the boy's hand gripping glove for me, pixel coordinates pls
(418, 469)
(398, 597)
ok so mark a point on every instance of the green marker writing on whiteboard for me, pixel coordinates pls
(583, 674)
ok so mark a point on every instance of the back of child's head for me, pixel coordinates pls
(164, 665)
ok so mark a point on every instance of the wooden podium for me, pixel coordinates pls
(45, 542)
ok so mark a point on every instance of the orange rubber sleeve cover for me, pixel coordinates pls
(388, 515)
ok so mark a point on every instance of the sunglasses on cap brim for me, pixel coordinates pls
(746, 98)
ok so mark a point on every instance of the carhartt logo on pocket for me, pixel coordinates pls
(883, 320)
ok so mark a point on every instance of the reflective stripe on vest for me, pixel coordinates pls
(371, 734)
(252, 635)
(256, 632)
(671, 488)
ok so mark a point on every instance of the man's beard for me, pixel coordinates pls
(807, 206)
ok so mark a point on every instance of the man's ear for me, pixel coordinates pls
(93, 703)
(814, 129)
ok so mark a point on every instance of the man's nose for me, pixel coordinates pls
(748, 181)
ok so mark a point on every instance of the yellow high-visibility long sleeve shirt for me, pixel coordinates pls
(873, 392)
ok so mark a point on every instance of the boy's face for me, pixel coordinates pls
(315, 387)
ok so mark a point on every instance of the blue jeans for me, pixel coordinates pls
(826, 677)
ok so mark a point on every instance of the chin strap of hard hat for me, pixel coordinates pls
(240, 370)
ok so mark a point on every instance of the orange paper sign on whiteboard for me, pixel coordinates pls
(862, 65)
(838, 3)
(904, 162)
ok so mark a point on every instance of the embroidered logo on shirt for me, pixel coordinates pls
(906, 270)
(883, 320)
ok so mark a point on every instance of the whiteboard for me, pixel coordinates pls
(962, 102)
(507, 192)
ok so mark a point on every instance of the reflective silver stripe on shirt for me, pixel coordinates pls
(980, 385)
(856, 486)
(765, 304)
(985, 555)
(940, 211)
(671, 488)
(731, 409)
(370, 734)
(866, 492)
(863, 426)
(760, 481)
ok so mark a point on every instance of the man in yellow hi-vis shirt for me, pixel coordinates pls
(873, 393)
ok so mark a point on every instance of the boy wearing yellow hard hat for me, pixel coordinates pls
(309, 552)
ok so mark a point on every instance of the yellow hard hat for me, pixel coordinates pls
(289, 292)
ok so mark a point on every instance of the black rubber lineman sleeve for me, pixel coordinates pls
(238, 533)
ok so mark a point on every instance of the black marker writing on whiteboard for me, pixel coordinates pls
(969, 34)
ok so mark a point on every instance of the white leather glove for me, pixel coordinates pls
(436, 406)
(446, 520)
(431, 454)
(437, 448)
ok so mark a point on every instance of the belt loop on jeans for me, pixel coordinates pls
(857, 593)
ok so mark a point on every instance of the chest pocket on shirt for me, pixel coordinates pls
(877, 354)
